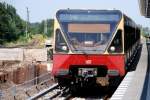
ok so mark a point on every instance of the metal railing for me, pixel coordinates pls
(20, 92)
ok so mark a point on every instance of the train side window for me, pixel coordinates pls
(60, 45)
(116, 45)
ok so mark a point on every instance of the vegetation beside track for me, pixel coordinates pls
(13, 28)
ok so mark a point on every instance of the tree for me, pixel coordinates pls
(38, 28)
(145, 31)
(11, 25)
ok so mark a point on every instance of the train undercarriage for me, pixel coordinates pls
(88, 77)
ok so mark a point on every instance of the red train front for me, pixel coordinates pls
(91, 45)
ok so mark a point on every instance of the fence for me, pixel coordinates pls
(28, 88)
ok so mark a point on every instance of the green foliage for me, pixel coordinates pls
(145, 32)
(50, 27)
(11, 25)
(38, 28)
(35, 41)
(12, 28)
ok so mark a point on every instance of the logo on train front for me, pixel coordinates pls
(88, 62)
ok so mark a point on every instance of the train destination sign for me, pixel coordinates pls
(89, 28)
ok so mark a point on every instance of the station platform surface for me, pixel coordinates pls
(146, 89)
(136, 85)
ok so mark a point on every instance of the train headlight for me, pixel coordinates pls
(112, 48)
(64, 48)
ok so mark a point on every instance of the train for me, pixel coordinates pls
(93, 46)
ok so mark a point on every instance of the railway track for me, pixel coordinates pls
(44, 92)
(56, 93)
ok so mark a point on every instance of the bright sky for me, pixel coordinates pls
(43, 9)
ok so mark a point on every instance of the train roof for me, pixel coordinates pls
(113, 11)
(87, 11)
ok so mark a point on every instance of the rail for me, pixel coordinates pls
(45, 91)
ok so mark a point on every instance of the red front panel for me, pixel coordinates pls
(113, 62)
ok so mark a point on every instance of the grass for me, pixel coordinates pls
(34, 41)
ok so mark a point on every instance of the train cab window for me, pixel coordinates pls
(60, 45)
(116, 45)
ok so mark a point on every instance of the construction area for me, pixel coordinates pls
(23, 72)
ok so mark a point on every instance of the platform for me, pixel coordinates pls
(132, 86)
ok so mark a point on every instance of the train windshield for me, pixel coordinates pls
(88, 31)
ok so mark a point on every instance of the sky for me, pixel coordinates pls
(44, 9)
